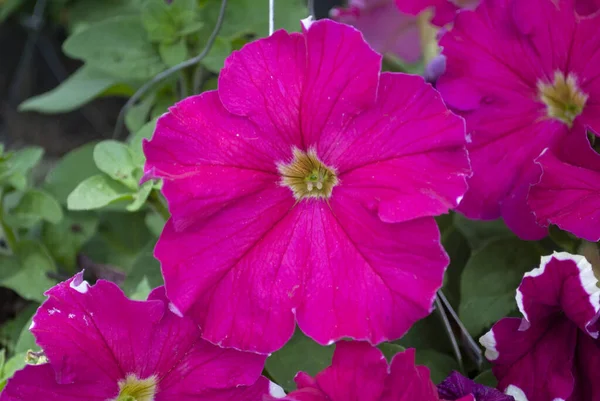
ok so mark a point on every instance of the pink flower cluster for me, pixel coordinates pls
(303, 192)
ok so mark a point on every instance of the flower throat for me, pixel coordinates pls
(563, 98)
(307, 176)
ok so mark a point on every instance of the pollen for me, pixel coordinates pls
(134, 389)
(307, 176)
(563, 98)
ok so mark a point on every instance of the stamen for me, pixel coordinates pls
(307, 176)
(563, 98)
(134, 389)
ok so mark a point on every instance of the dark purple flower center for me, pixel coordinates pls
(563, 98)
(307, 176)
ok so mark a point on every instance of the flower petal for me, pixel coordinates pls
(563, 284)
(82, 331)
(357, 372)
(536, 362)
(496, 55)
(341, 79)
(264, 82)
(190, 366)
(456, 386)
(408, 382)
(568, 193)
(406, 153)
(366, 279)
(587, 367)
(232, 270)
(37, 382)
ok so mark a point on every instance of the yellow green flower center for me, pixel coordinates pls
(307, 176)
(134, 389)
(563, 98)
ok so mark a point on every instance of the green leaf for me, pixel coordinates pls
(26, 339)
(70, 171)
(8, 7)
(155, 223)
(120, 239)
(390, 349)
(478, 232)
(135, 142)
(34, 206)
(84, 13)
(173, 53)
(299, 354)
(114, 159)
(137, 116)
(96, 192)
(139, 199)
(165, 22)
(243, 17)
(220, 50)
(490, 279)
(427, 333)
(439, 364)
(65, 239)
(141, 291)
(487, 378)
(80, 88)
(15, 363)
(10, 331)
(459, 251)
(16, 166)
(118, 46)
(145, 267)
(26, 273)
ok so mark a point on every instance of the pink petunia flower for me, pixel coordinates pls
(304, 189)
(384, 27)
(524, 76)
(101, 346)
(568, 194)
(553, 353)
(444, 11)
(359, 371)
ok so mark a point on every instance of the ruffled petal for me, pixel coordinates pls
(408, 382)
(263, 81)
(564, 284)
(536, 363)
(364, 278)
(568, 192)
(82, 329)
(341, 79)
(406, 153)
(456, 386)
(35, 383)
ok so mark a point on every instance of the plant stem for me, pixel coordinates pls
(167, 73)
(156, 203)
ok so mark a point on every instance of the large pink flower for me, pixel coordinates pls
(360, 372)
(305, 188)
(102, 346)
(553, 353)
(524, 74)
(384, 27)
(444, 11)
(568, 193)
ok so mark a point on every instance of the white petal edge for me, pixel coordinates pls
(489, 342)
(589, 282)
(516, 392)
(275, 390)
